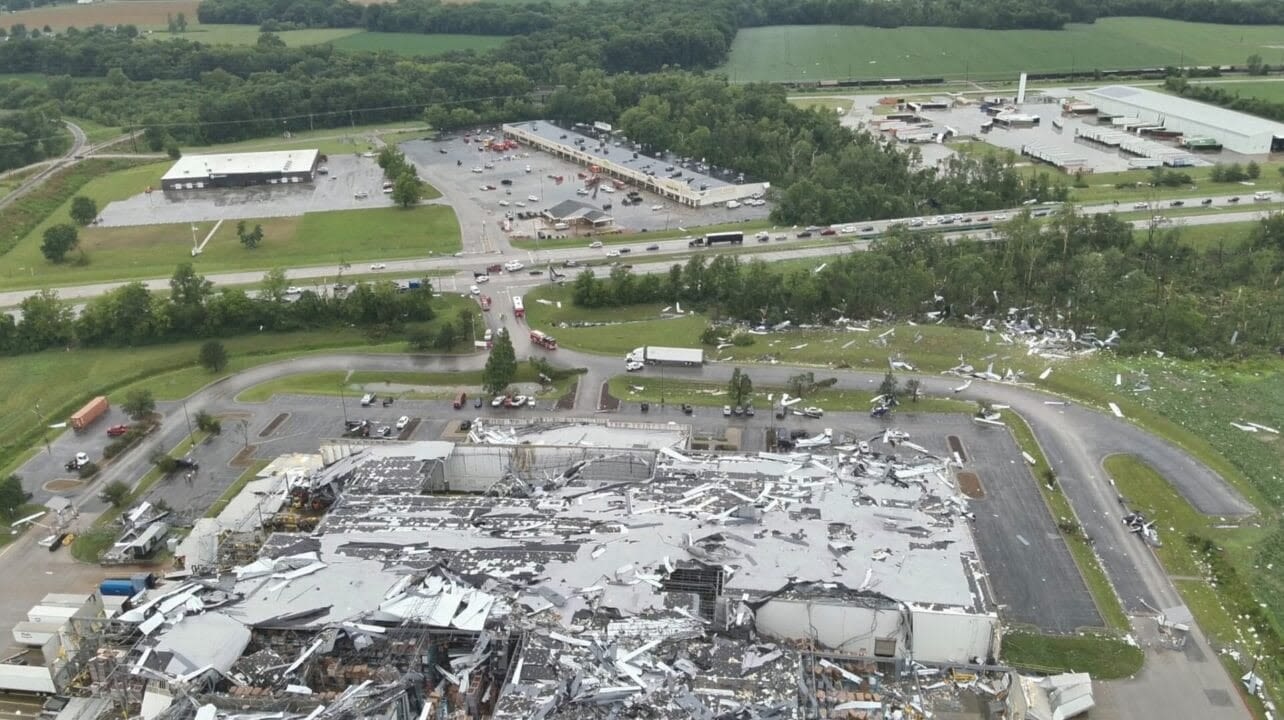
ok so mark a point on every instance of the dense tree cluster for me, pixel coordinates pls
(133, 315)
(30, 135)
(1227, 98)
(1077, 271)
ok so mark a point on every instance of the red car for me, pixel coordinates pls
(829, 231)
(117, 430)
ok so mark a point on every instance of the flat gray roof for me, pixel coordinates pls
(1157, 102)
(622, 155)
(196, 167)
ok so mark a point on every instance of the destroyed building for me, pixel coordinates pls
(523, 581)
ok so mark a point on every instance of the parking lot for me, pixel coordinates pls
(450, 163)
(348, 177)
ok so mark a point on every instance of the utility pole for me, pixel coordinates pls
(344, 402)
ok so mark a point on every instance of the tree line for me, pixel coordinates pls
(1075, 271)
(1227, 98)
(132, 315)
(28, 136)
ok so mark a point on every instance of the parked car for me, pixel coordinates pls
(749, 410)
(726, 411)
(117, 430)
(737, 410)
(813, 412)
(595, 244)
(497, 401)
(687, 409)
(402, 422)
(477, 402)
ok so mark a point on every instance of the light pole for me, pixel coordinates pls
(187, 417)
(44, 429)
(343, 400)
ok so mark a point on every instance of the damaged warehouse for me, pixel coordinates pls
(628, 583)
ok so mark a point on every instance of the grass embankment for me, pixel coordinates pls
(235, 488)
(344, 140)
(1196, 551)
(748, 226)
(8, 533)
(1106, 658)
(21, 219)
(1103, 187)
(412, 385)
(677, 392)
(90, 545)
(822, 52)
(152, 251)
(63, 381)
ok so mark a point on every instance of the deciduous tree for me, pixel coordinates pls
(213, 356)
(58, 241)
(83, 210)
(139, 404)
(501, 366)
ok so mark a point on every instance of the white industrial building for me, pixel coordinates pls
(1237, 132)
(198, 172)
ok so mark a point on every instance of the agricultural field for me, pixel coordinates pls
(247, 34)
(411, 44)
(816, 52)
(125, 253)
(1272, 90)
(143, 13)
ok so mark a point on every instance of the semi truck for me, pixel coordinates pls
(94, 409)
(657, 355)
(731, 238)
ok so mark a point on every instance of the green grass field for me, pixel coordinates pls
(651, 387)
(154, 250)
(249, 34)
(1264, 89)
(1105, 658)
(60, 381)
(330, 141)
(417, 44)
(814, 52)
(427, 385)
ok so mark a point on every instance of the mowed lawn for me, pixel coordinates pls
(819, 52)
(417, 43)
(148, 251)
(1264, 89)
(344, 140)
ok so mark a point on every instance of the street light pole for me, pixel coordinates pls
(344, 402)
(187, 417)
(44, 429)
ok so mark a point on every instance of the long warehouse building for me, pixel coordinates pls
(1237, 131)
(198, 172)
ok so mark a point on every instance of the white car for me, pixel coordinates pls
(293, 290)
(655, 208)
(533, 198)
(932, 221)
(518, 401)
(497, 401)
(475, 290)
(379, 266)
(608, 189)
(1141, 206)
(813, 411)
(595, 244)
(612, 253)
(504, 203)
(528, 168)
(1000, 217)
(916, 222)
(848, 229)
(481, 279)
(633, 366)
(519, 203)
(361, 195)
(726, 411)
(513, 266)
(490, 166)
(82, 459)
(477, 170)
(402, 422)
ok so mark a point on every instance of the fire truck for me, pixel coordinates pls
(519, 310)
(548, 342)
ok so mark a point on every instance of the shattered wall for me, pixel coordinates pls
(943, 636)
(847, 629)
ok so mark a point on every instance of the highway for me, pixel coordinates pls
(482, 249)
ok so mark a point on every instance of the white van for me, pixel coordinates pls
(1262, 195)
(367, 400)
